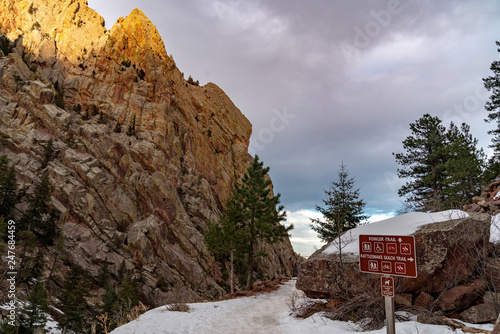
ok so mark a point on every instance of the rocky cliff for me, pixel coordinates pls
(143, 160)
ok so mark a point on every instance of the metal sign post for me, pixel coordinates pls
(388, 255)
(388, 293)
(389, 315)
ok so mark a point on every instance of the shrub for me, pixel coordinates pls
(101, 119)
(94, 110)
(131, 128)
(141, 74)
(59, 99)
(177, 301)
(5, 45)
(178, 307)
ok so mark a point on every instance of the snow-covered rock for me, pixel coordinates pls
(448, 246)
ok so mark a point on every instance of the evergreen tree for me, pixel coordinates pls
(492, 84)
(59, 252)
(72, 300)
(128, 293)
(118, 127)
(463, 168)
(34, 314)
(9, 326)
(38, 266)
(41, 217)
(225, 239)
(131, 128)
(423, 163)
(445, 166)
(104, 274)
(8, 187)
(48, 153)
(110, 299)
(257, 213)
(27, 241)
(3, 232)
(343, 210)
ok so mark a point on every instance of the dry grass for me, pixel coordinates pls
(177, 307)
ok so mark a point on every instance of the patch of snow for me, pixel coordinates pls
(406, 224)
(264, 313)
(495, 229)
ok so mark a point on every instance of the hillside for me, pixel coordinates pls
(139, 159)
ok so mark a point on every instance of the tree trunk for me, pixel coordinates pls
(250, 265)
(340, 252)
(232, 271)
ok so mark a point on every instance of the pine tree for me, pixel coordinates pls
(128, 293)
(423, 163)
(445, 166)
(104, 274)
(343, 210)
(48, 153)
(131, 128)
(72, 300)
(492, 84)
(110, 299)
(226, 239)
(8, 187)
(464, 167)
(34, 314)
(58, 252)
(41, 217)
(257, 213)
(27, 241)
(38, 266)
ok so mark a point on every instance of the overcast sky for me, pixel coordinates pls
(330, 81)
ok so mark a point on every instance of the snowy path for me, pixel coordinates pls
(265, 313)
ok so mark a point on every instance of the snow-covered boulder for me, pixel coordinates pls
(448, 246)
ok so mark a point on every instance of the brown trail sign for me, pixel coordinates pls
(387, 255)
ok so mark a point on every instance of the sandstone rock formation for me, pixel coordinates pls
(139, 179)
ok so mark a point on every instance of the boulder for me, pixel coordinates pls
(447, 252)
(461, 297)
(404, 299)
(424, 300)
(478, 314)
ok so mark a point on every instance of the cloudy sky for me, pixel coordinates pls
(330, 81)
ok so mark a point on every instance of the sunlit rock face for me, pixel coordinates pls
(143, 160)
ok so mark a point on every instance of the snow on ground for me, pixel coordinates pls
(264, 313)
(405, 224)
(495, 229)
